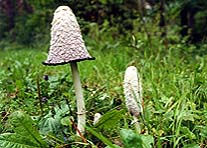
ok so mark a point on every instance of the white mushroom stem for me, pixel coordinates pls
(136, 124)
(81, 112)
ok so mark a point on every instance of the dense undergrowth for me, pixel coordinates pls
(38, 104)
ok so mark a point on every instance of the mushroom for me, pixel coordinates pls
(97, 118)
(133, 93)
(67, 46)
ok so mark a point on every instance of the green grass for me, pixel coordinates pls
(174, 80)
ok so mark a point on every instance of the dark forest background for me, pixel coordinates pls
(27, 22)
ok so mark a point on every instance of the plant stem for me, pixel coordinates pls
(78, 131)
(81, 115)
(39, 94)
(137, 125)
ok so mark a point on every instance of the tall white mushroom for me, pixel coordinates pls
(67, 46)
(133, 93)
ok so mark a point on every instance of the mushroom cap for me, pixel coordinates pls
(66, 44)
(133, 90)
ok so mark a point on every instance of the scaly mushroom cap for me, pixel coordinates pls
(133, 91)
(66, 44)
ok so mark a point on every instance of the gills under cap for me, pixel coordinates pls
(66, 44)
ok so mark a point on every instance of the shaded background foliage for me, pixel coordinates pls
(27, 21)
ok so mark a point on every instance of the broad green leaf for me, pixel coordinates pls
(130, 139)
(204, 132)
(147, 140)
(188, 133)
(65, 121)
(13, 140)
(51, 123)
(61, 111)
(133, 140)
(110, 119)
(191, 146)
(23, 126)
(102, 138)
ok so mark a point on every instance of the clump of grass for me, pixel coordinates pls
(174, 83)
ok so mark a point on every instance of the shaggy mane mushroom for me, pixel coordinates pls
(67, 46)
(133, 94)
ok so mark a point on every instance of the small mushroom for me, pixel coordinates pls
(67, 46)
(97, 118)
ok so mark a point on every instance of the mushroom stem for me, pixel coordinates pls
(137, 124)
(81, 115)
